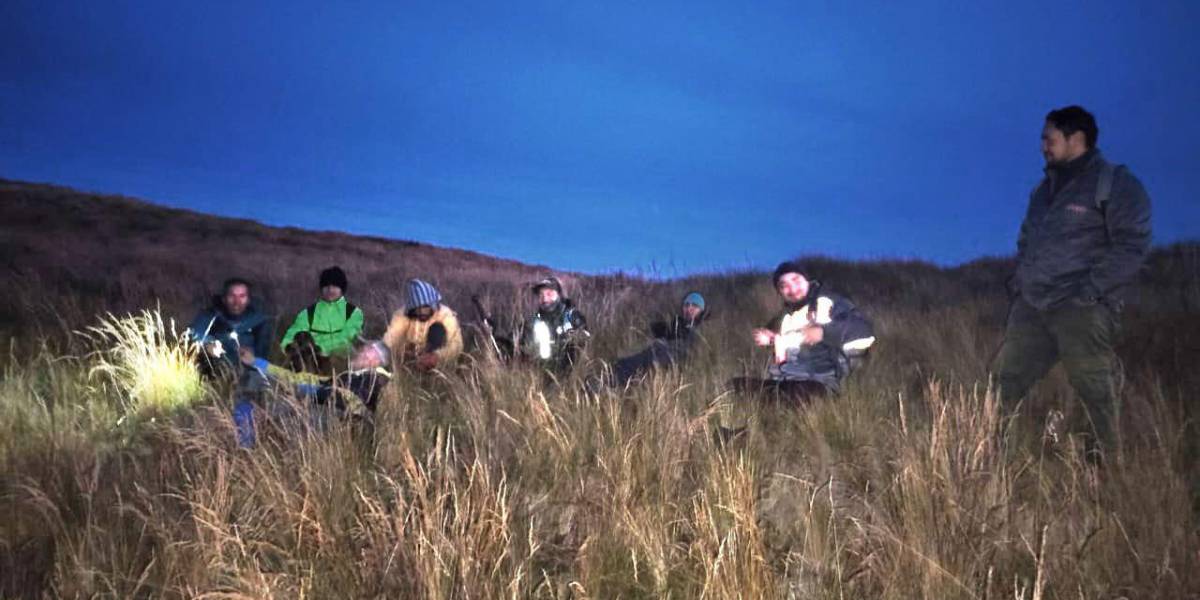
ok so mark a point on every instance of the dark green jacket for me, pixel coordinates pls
(1077, 245)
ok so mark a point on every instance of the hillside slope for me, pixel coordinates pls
(68, 255)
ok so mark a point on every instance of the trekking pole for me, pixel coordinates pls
(486, 320)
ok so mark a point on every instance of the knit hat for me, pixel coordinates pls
(334, 276)
(694, 298)
(421, 293)
(548, 282)
(788, 267)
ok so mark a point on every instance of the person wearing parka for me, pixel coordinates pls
(553, 337)
(815, 342)
(332, 322)
(672, 343)
(426, 333)
(232, 321)
(1085, 236)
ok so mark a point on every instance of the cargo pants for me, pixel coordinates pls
(1079, 334)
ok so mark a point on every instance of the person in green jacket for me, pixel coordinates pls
(330, 325)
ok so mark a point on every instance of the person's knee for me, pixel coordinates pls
(1006, 370)
(1013, 378)
(1093, 382)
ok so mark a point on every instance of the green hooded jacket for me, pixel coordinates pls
(330, 328)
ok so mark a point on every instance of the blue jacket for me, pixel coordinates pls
(252, 329)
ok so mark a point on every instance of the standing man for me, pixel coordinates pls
(1085, 236)
(331, 323)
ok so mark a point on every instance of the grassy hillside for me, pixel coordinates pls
(72, 254)
(486, 483)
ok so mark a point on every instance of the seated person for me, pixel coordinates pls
(815, 342)
(326, 328)
(352, 394)
(554, 336)
(673, 340)
(425, 334)
(231, 322)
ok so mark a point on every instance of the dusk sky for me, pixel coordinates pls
(601, 136)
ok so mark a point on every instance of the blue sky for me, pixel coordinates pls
(601, 136)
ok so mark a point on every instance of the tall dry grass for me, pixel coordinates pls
(488, 482)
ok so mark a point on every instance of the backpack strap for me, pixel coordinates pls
(1108, 173)
(312, 312)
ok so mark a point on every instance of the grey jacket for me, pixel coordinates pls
(1077, 245)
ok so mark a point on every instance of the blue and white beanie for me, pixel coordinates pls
(422, 293)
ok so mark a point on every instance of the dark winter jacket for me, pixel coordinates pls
(564, 327)
(253, 329)
(1075, 244)
(673, 341)
(676, 329)
(847, 333)
(678, 334)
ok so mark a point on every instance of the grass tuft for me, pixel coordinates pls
(149, 363)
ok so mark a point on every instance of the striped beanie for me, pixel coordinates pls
(422, 293)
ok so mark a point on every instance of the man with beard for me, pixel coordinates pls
(1085, 236)
(554, 336)
(815, 342)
